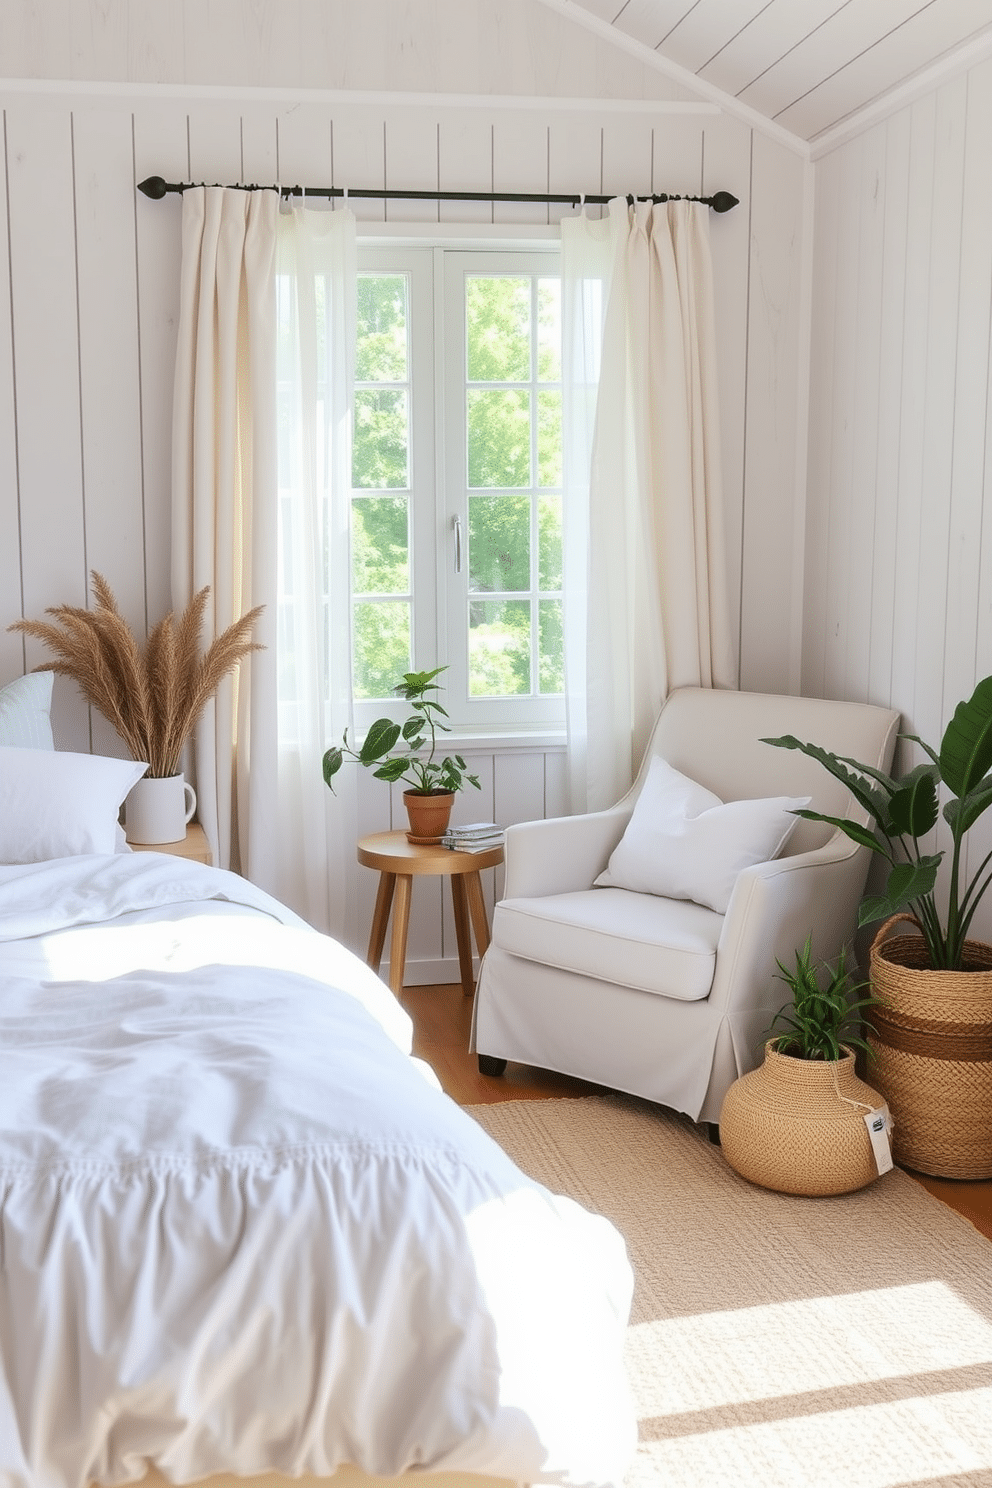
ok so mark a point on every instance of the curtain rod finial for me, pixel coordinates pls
(153, 186)
(723, 201)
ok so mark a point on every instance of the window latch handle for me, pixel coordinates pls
(456, 523)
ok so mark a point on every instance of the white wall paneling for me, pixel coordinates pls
(45, 337)
(898, 603)
(770, 503)
(161, 147)
(725, 152)
(11, 646)
(86, 364)
(113, 506)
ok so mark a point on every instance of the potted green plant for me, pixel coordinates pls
(797, 1123)
(933, 1023)
(395, 751)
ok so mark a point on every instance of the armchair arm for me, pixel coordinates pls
(561, 854)
(774, 907)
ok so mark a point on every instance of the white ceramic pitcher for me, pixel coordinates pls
(157, 810)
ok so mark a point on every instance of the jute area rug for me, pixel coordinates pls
(777, 1341)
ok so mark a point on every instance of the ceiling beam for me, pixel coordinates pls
(656, 60)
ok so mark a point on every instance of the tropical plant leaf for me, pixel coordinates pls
(914, 807)
(875, 802)
(915, 739)
(391, 770)
(332, 762)
(963, 812)
(379, 740)
(889, 785)
(907, 881)
(966, 748)
(857, 833)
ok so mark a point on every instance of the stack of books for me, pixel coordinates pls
(476, 837)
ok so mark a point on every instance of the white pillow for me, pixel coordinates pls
(25, 712)
(54, 804)
(682, 842)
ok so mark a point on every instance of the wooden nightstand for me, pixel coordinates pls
(194, 846)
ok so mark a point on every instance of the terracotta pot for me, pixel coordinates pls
(429, 815)
(797, 1125)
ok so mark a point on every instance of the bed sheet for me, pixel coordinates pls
(243, 1231)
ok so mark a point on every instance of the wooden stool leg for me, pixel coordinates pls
(477, 906)
(380, 919)
(462, 935)
(401, 923)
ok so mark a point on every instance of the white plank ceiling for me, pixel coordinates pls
(810, 65)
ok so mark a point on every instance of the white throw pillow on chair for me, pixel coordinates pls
(683, 842)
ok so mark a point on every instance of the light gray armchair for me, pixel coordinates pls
(663, 998)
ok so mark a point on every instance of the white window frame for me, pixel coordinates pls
(440, 596)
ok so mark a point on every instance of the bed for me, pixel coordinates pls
(243, 1232)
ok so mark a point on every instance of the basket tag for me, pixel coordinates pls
(879, 1124)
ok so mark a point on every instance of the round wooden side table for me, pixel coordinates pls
(399, 862)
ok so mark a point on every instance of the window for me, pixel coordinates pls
(456, 481)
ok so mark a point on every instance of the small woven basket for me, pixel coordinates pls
(797, 1125)
(933, 1044)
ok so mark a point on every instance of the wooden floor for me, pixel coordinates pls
(441, 1018)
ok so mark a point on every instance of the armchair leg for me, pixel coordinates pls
(713, 1128)
(488, 1065)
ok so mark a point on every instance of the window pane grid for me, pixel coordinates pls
(513, 479)
(382, 580)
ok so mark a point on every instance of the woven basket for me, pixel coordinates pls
(797, 1125)
(933, 1044)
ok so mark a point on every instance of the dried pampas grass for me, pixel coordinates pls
(153, 697)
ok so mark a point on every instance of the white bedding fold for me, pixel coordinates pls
(241, 1232)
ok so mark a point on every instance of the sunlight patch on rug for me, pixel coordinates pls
(793, 1348)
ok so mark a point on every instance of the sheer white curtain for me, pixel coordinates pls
(646, 604)
(224, 503)
(316, 305)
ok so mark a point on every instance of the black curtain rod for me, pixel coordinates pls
(155, 187)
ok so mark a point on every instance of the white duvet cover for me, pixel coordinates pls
(242, 1230)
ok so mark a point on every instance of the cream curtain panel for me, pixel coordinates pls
(646, 600)
(224, 504)
(261, 482)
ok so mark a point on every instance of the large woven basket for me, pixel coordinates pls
(933, 1041)
(797, 1125)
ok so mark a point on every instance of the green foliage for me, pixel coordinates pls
(497, 327)
(906, 811)
(499, 648)
(426, 776)
(381, 349)
(824, 1014)
(506, 341)
(380, 545)
(381, 646)
(499, 543)
(379, 448)
(498, 438)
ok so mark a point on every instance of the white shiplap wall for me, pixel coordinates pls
(89, 272)
(899, 558)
